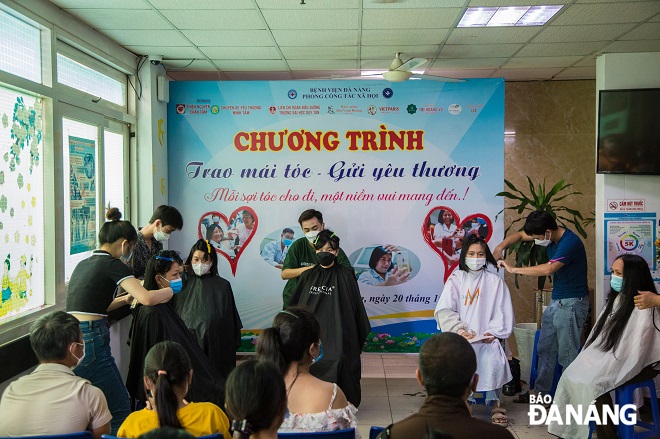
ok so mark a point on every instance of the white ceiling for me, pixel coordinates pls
(284, 39)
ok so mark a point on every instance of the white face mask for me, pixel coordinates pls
(542, 242)
(159, 235)
(311, 235)
(74, 355)
(475, 264)
(201, 269)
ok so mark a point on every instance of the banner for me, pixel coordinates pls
(82, 187)
(402, 172)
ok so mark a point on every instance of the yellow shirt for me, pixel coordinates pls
(197, 418)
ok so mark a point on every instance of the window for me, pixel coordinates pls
(20, 47)
(21, 204)
(113, 165)
(91, 81)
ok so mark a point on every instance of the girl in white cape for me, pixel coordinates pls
(476, 304)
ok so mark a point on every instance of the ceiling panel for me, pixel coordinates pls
(86, 4)
(198, 64)
(409, 37)
(407, 52)
(589, 61)
(168, 52)
(230, 52)
(491, 35)
(214, 19)
(309, 4)
(258, 76)
(647, 31)
(407, 4)
(147, 37)
(464, 73)
(338, 19)
(250, 65)
(471, 63)
(479, 50)
(319, 38)
(577, 73)
(315, 74)
(306, 52)
(527, 74)
(121, 18)
(623, 12)
(187, 75)
(589, 32)
(410, 18)
(322, 64)
(477, 3)
(196, 4)
(561, 49)
(236, 38)
(541, 61)
(632, 46)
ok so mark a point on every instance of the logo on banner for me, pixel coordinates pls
(372, 110)
(215, 109)
(180, 108)
(292, 94)
(272, 109)
(388, 93)
(411, 109)
(616, 415)
(331, 110)
(454, 109)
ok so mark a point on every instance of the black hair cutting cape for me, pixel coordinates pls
(206, 305)
(153, 324)
(333, 295)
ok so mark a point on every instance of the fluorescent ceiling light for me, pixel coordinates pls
(509, 16)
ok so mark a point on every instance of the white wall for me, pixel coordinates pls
(623, 71)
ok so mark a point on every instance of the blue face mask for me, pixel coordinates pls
(616, 282)
(175, 284)
(320, 354)
(287, 242)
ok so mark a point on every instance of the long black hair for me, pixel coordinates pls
(159, 264)
(636, 277)
(209, 255)
(168, 366)
(255, 397)
(474, 239)
(294, 330)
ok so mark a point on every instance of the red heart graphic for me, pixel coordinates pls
(227, 246)
(445, 241)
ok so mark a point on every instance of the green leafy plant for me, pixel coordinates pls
(539, 198)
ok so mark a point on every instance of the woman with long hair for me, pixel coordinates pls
(92, 292)
(206, 305)
(477, 303)
(167, 375)
(331, 292)
(623, 348)
(294, 344)
(255, 400)
(153, 324)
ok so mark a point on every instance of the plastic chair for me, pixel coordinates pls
(348, 433)
(77, 435)
(624, 395)
(534, 371)
(375, 431)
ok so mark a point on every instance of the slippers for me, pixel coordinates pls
(498, 417)
(523, 398)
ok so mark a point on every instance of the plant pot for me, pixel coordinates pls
(524, 334)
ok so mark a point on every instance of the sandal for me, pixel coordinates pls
(498, 417)
(523, 398)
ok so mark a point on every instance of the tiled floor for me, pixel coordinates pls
(390, 393)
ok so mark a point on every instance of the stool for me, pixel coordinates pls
(624, 395)
(534, 372)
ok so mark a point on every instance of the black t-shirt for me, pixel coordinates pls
(94, 282)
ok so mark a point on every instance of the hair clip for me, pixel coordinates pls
(243, 427)
(162, 372)
(332, 236)
(208, 246)
(284, 311)
(165, 258)
(316, 240)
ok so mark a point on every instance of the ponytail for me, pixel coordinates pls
(269, 347)
(166, 402)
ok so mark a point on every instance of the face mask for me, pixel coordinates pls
(126, 259)
(175, 284)
(542, 242)
(475, 264)
(79, 359)
(616, 282)
(161, 236)
(287, 242)
(201, 269)
(311, 235)
(320, 354)
(325, 258)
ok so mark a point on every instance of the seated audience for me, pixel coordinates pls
(476, 303)
(52, 399)
(623, 348)
(167, 375)
(294, 344)
(255, 400)
(331, 292)
(166, 433)
(206, 305)
(382, 272)
(153, 324)
(447, 366)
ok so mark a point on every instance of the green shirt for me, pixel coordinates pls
(302, 254)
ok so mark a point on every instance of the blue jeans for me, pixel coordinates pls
(559, 340)
(100, 369)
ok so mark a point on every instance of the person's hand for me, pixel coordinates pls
(502, 264)
(397, 276)
(390, 248)
(491, 338)
(646, 299)
(279, 266)
(466, 334)
(498, 253)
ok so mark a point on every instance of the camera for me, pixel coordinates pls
(156, 59)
